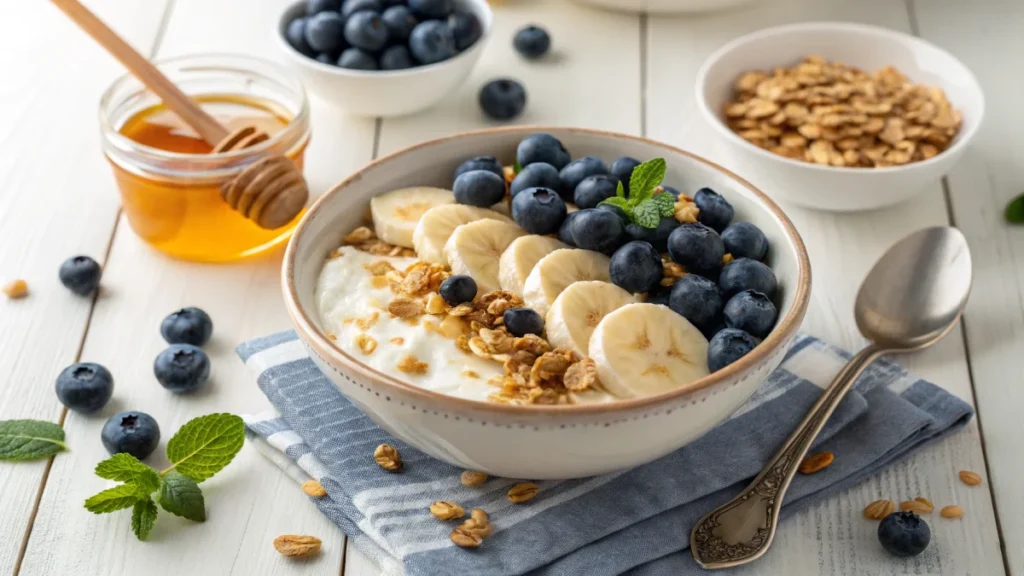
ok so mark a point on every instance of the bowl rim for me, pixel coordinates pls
(287, 17)
(712, 118)
(314, 337)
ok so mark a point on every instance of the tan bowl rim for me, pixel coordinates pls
(314, 337)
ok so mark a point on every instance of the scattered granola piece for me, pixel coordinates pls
(951, 511)
(436, 304)
(397, 341)
(16, 289)
(726, 258)
(368, 322)
(358, 236)
(446, 510)
(378, 282)
(816, 462)
(365, 343)
(387, 458)
(379, 268)
(405, 307)
(410, 365)
(970, 478)
(522, 492)
(466, 538)
(297, 546)
(469, 374)
(472, 478)
(926, 502)
(879, 509)
(471, 533)
(532, 343)
(581, 376)
(462, 309)
(314, 489)
(915, 507)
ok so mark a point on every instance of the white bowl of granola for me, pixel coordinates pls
(825, 135)
(413, 378)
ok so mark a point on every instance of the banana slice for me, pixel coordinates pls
(577, 311)
(520, 257)
(396, 213)
(475, 248)
(646, 349)
(556, 271)
(437, 224)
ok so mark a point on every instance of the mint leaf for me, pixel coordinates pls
(666, 204)
(181, 496)
(620, 203)
(30, 439)
(517, 167)
(1015, 210)
(127, 468)
(647, 213)
(143, 517)
(645, 178)
(205, 445)
(620, 191)
(116, 498)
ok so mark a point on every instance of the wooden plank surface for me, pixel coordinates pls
(54, 203)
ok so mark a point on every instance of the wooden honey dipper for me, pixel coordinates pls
(270, 192)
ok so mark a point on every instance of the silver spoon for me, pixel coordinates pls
(911, 298)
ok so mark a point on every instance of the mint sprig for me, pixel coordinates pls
(30, 439)
(200, 449)
(648, 203)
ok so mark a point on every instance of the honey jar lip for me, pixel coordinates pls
(297, 130)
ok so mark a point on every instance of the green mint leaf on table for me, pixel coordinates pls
(127, 468)
(205, 445)
(30, 439)
(645, 178)
(181, 496)
(647, 213)
(143, 516)
(619, 203)
(1015, 210)
(620, 191)
(116, 498)
(666, 204)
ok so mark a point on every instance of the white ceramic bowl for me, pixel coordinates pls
(385, 92)
(868, 48)
(664, 6)
(538, 441)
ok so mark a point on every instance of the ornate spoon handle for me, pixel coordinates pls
(741, 530)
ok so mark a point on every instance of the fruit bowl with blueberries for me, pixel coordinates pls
(660, 259)
(384, 57)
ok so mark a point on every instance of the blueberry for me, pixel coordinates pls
(698, 300)
(574, 172)
(80, 274)
(187, 326)
(747, 274)
(657, 237)
(538, 174)
(432, 8)
(356, 59)
(317, 6)
(502, 99)
(728, 346)
(325, 58)
(350, 7)
(523, 321)
(565, 230)
(295, 34)
(182, 368)
(904, 534)
(479, 188)
(466, 29)
(752, 312)
(458, 289)
(636, 267)
(593, 189)
(744, 240)
(532, 42)
(599, 230)
(325, 32)
(399, 21)
(615, 210)
(538, 210)
(366, 30)
(622, 169)
(135, 433)
(85, 387)
(662, 297)
(715, 211)
(432, 41)
(396, 57)
(542, 147)
(696, 247)
(489, 163)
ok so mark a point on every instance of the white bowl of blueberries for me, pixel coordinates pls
(384, 57)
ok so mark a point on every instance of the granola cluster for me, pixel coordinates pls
(833, 114)
(365, 239)
(686, 210)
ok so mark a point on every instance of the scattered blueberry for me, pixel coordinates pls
(593, 189)
(466, 29)
(85, 387)
(746, 274)
(538, 174)
(698, 300)
(502, 99)
(532, 42)
(182, 367)
(318, 6)
(458, 289)
(904, 534)
(715, 211)
(431, 42)
(479, 188)
(636, 267)
(728, 346)
(325, 58)
(574, 172)
(187, 326)
(615, 210)
(366, 30)
(744, 240)
(657, 237)
(135, 433)
(622, 169)
(80, 274)
(697, 247)
(356, 59)
(350, 7)
(542, 147)
(432, 8)
(538, 210)
(295, 34)
(523, 321)
(396, 57)
(662, 297)
(599, 230)
(399, 21)
(325, 32)
(565, 230)
(752, 312)
(489, 163)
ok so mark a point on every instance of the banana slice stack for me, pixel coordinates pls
(556, 271)
(578, 310)
(437, 224)
(475, 248)
(518, 260)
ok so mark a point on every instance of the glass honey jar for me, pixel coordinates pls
(168, 179)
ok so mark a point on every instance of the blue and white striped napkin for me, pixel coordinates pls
(635, 521)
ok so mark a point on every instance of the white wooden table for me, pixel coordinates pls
(618, 72)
